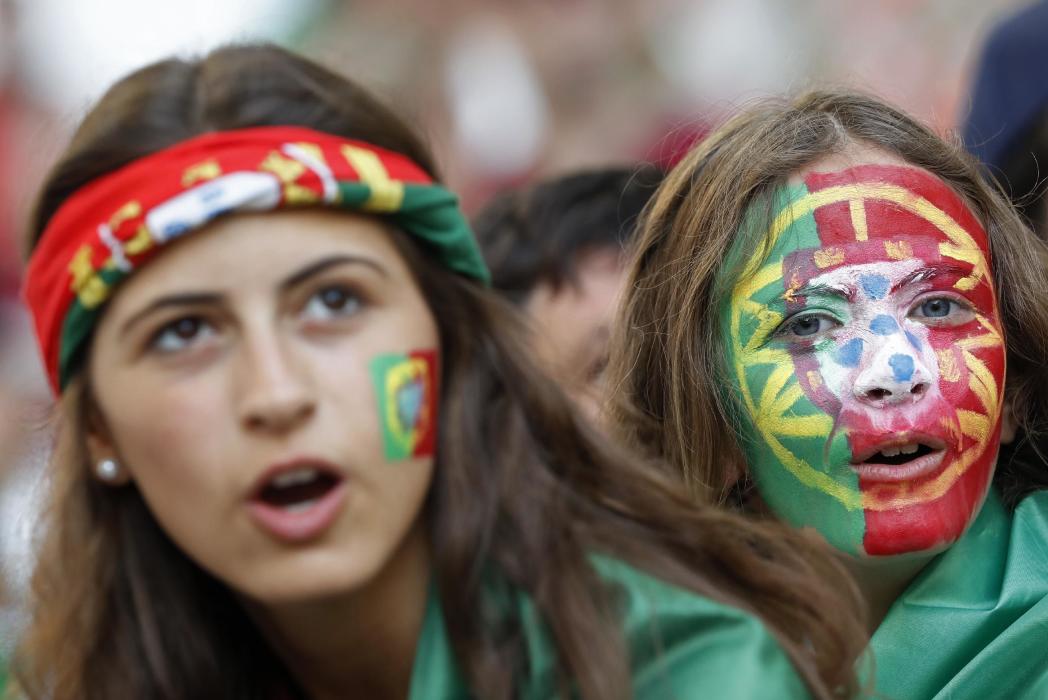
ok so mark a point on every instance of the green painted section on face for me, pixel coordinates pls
(792, 451)
(405, 386)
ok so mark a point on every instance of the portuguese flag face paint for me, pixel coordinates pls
(866, 351)
(407, 391)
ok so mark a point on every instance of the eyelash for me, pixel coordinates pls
(155, 341)
(783, 331)
(961, 305)
(350, 297)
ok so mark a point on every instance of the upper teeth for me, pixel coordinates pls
(294, 478)
(894, 451)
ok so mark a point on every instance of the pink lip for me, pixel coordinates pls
(896, 473)
(298, 525)
(911, 471)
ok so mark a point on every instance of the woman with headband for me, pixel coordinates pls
(302, 453)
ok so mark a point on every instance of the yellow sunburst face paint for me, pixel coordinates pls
(866, 350)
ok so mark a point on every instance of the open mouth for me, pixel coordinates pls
(900, 455)
(900, 461)
(298, 501)
(298, 490)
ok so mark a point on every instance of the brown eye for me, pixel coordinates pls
(332, 302)
(180, 334)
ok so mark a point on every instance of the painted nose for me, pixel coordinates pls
(276, 398)
(895, 374)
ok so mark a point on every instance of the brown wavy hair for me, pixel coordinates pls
(668, 363)
(521, 487)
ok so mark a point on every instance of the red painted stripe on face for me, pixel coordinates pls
(918, 181)
(426, 442)
(870, 230)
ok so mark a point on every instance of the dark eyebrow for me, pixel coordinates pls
(206, 298)
(327, 263)
(926, 273)
(191, 299)
(808, 290)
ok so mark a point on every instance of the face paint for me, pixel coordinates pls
(865, 346)
(406, 387)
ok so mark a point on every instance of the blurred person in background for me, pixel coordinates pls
(815, 330)
(1006, 125)
(556, 250)
(303, 453)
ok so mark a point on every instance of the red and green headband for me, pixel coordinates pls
(115, 224)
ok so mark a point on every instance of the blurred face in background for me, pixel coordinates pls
(269, 385)
(572, 326)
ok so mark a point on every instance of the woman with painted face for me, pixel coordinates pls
(303, 454)
(823, 301)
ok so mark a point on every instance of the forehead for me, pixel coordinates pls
(851, 211)
(245, 251)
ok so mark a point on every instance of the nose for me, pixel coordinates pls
(894, 374)
(276, 395)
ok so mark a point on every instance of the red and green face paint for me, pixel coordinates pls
(407, 391)
(865, 345)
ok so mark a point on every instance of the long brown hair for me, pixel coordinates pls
(667, 366)
(522, 490)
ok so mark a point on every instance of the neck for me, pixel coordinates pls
(882, 580)
(357, 644)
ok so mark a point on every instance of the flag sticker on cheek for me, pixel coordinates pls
(407, 391)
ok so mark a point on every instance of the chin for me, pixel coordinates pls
(303, 578)
(904, 551)
(928, 535)
(929, 527)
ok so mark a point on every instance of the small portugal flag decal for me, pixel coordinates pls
(406, 387)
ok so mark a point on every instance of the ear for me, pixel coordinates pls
(737, 487)
(1009, 425)
(100, 448)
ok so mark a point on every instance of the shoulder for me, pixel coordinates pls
(1027, 564)
(980, 607)
(685, 645)
(1032, 511)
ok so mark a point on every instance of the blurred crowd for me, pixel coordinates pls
(509, 92)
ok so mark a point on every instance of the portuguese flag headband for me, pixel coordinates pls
(115, 224)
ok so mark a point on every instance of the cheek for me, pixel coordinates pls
(173, 434)
(377, 405)
(835, 373)
(350, 412)
(827, 373)
(177, 449)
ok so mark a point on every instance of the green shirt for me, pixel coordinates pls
(681, 646)
(974, 624)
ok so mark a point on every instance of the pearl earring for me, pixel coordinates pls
(107, 469)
